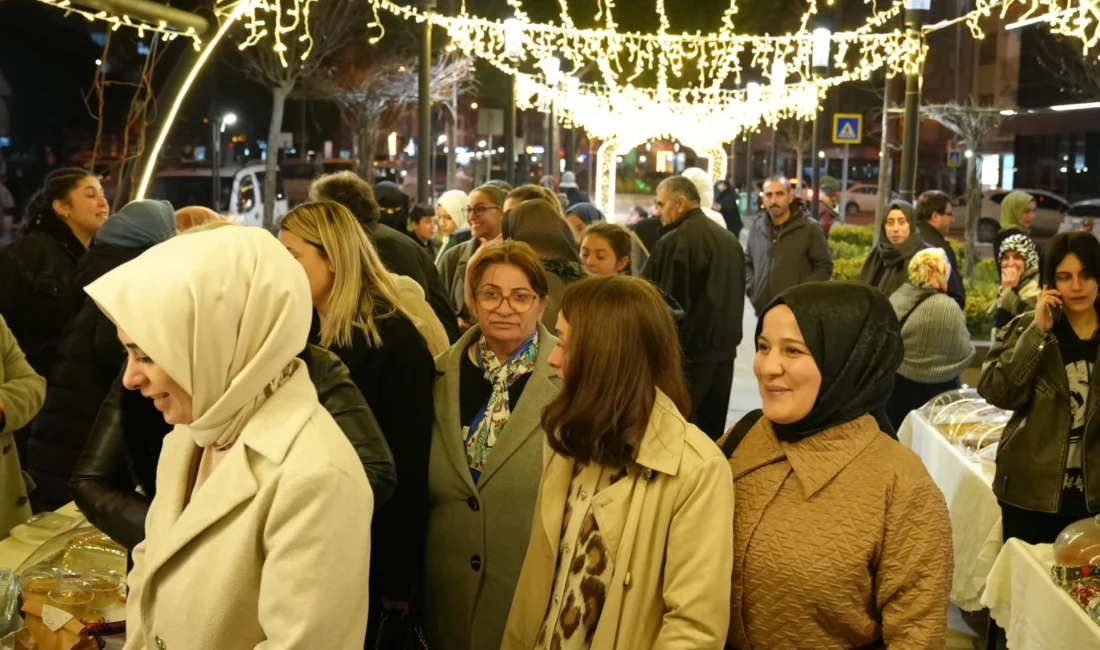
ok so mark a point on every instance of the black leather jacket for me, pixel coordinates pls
(125, 442)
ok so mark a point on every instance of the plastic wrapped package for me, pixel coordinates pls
(78, 550)
(964, 417)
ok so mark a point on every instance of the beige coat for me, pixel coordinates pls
(477, 535)
(273, 550)
(22, 393)
(840, 540)
(671, 536)
(411, 296)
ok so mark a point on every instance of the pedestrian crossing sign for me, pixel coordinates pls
(847, 128)
(954, 158)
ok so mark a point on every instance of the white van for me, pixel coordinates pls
(241, 191)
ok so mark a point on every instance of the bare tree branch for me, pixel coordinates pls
(1079, 75)
(371, 91)
(971, 125)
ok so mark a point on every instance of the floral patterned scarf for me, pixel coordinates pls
(489, 422)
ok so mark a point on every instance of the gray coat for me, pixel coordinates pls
(452, 270)
(937, 343)
(777, 260)
(478, 535)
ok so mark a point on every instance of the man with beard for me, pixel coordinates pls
(786, 247)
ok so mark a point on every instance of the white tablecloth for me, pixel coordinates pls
(975, 515)
(1034, 612)
(14, 552)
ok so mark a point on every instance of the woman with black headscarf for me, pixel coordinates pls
(887, 266)
(538, 223)
(581, 216)
(851, 538)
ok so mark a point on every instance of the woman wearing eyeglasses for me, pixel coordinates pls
(486, 454)
(485, 214)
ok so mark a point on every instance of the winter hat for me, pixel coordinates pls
(139, 224)
(1012, 208)
(586, 212)
(829, 186)
(455, 202)
(1022, 245)
(568, 180)
(703, 184)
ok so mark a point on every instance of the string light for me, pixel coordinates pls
(116, 22)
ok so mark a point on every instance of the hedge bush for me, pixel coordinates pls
(850, 245)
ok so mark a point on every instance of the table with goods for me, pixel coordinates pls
(62, 585)
(956, 436)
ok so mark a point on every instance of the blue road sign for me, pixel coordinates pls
(847, 128)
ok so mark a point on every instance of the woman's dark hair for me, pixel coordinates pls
(620, 239)
(607, 397)
(57, 186)
(525, 193)
(642, 212)
(1081, 244)
(495, 193)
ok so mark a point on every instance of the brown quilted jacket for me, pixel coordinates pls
(841, 540)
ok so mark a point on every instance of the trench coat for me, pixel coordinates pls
(671, 530)
(477, 534)
(273, 550)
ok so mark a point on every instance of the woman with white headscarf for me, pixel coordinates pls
(451, 210)
(259, 534)
(705, 185)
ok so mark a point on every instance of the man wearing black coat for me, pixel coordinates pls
(398, 251)
(934, 218)
(702, 266)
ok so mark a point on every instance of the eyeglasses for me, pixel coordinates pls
(479, 210)
(491, 298)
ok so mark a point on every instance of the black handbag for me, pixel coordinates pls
(397, 632)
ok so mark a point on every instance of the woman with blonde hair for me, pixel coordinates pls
(933, 330)
(358, 316)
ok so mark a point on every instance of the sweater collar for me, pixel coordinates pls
(815, 460)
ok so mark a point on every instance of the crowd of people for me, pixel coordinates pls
(515, 435)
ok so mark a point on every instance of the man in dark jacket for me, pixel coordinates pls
(725, 197)
(571, 190)
(934, 218)
(701, 265)
(88, 359)
(399, 252)
(786, 247)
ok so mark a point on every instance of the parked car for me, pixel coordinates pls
(1049, 209)
(241, 191)
(863, 197)
(298, 175)
(1081, 217)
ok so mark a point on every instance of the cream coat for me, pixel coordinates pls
(477, 535)
(670, 530)
(271, 551)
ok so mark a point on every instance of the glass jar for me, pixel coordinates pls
(72, 595)
(37, 581)
(106, 585)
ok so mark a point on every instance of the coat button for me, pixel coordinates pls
(475, 563)
(649, 474)
(474, 505)
(161, 645)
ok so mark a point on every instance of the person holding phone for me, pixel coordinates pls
(1042, 370)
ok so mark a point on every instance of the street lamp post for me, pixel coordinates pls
(914, 20)
(217, 128)
(820, 61)
(424, 110)
(513, 48)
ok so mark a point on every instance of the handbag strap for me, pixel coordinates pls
(914, 308)
(739, 431)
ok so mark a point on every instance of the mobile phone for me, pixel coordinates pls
(1055, 313)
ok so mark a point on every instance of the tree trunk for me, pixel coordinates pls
(452, 141)
(972, 209)
(271, 169)
(883, 160)
(366, 139)
(798, 151)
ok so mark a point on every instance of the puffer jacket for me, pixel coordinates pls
(85, 367)
(125, 443)
(866, 527)
(778, 259)
(1024, 373)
